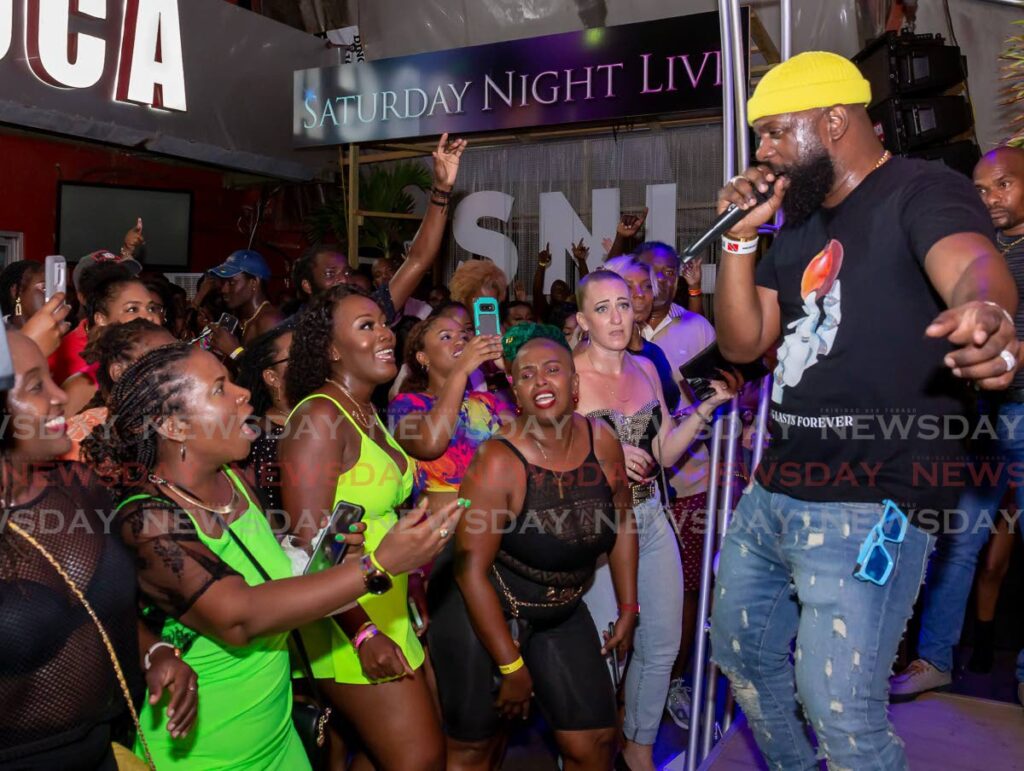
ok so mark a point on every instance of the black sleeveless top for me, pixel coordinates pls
(550, 549)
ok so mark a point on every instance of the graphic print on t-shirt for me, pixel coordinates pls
(815, 332)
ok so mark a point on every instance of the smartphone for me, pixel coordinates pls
(6, 364)
(56, 269)
(616, 673)
(699, 371)
(228, 322)
(486, 317)
(326, 551)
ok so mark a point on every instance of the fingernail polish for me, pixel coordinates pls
(339, 538)
(466, 503)
(353, 528)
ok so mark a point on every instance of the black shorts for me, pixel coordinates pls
(570, 677)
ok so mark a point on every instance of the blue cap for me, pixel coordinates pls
(243, 261)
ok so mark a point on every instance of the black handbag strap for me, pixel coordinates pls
(307, 669)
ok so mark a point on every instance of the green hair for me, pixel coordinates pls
(519, 335)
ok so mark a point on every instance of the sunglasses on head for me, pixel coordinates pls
(874, 562)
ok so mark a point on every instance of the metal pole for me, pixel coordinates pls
(739, 81)
(763, 398)
(700, 660)
(704, 599)
(787, 29)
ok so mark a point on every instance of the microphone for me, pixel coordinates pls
(725, 220)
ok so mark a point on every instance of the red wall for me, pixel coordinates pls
(32, 165)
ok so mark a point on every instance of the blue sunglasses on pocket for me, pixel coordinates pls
(874, 562)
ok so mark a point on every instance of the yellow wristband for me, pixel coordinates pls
(515, 666)
(236, 353)
(376, 564)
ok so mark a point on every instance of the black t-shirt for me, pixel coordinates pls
(653, 353)
(863, 407)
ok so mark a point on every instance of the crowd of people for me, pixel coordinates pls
(531, 504)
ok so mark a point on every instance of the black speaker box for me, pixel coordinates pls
(905, 64)
(960, 156)
(908, 124)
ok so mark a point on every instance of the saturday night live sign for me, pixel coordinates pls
(662, 67)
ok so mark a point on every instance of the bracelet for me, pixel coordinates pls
(694, 291)
(440, 193)
(366, 631)
(236, 353)
(732, 246)
(515, 666)
(376, 564)
(1005, 312)
(146, 663)
(629, 607)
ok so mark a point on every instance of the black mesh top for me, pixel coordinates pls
(58, 690)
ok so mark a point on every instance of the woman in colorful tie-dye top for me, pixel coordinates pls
(434, 418)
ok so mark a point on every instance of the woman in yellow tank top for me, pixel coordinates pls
(368, 659)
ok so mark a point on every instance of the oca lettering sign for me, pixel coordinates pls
(74, 44)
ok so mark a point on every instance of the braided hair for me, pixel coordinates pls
(416, 379)
(11, 278)
(115, 344)
(153, 388)
(260, 355)
(310, 359)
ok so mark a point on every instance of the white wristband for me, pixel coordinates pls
(146, 663)
(732, 246)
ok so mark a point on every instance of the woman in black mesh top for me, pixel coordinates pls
(548, 496)
(61, 701)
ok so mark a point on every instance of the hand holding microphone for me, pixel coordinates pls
(744, 204)
(759, 192)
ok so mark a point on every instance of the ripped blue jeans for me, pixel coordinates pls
(785, 572)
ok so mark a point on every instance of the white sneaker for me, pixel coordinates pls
(919, 677)
(678, 703)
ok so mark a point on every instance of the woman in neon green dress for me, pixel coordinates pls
(336, 448)
(176, 423)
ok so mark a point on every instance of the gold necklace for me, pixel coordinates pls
(362, 413)
(614, 394)
(248, 321)
(1004, 248)
(225, 509)
(885, 156)
(558, 475)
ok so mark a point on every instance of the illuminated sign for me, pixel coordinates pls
(72, 43)
(663, 67)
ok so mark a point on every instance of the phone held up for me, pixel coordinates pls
(228, 322)
(486, 317)
(326, 551)
(56, 271)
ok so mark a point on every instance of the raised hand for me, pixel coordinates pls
(580, 252)
(544, 256)
(630, 224)
(447, 157)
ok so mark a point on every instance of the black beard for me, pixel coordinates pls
(809, 183)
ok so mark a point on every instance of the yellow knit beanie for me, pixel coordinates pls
(808, 80)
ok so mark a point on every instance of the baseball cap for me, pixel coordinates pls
(98, 258)
(243, 261)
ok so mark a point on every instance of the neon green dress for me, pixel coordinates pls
(375, 483)
(245, 694)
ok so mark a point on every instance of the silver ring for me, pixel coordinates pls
(1009, 359)
(444, 532)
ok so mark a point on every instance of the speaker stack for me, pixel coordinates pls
(918, 105)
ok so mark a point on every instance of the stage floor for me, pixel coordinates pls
(941, 731)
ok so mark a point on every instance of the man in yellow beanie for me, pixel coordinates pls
(889, 297)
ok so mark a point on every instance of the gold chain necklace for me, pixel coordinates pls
(249, 320)
(1003, 247)
(225, 509)
(885, 156)
(558, 475)
(622, 373)
(362, 412)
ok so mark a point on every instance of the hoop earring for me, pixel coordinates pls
(17, 305)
